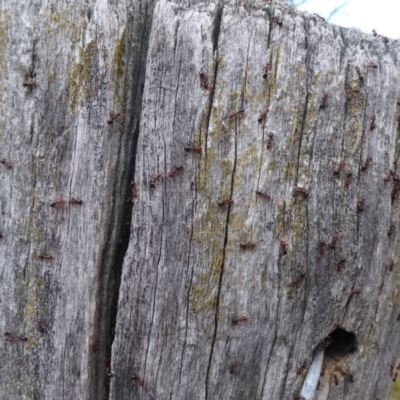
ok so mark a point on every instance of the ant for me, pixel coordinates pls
(301, 191)
(264, 195)
(278, 21)
(283, 245)
(391, 265)
(367, 163)
(193, 149)
(30, 84)
(351, 378)
(57, 203)
(361, 204)
(354, 291)
(133, 192)
(360, 76)
(324, 101)
(78, 202)
(321, 247)
(391, 230)
(298, 279)
(266, 69)
(248, 245)
(41, 326)
(46, 257)
(204, 84)
(325, 343)
(341, 166)
(263, 116)
(372, 65)
(137, 380)
(398, 317)
(236, 321)
(299, 397)
(6, 164)
(340, 265)
(113, 117)
(270, 140)
(94, 344)
(156, 179)
(334, 240)
(323, 369)
(351, 91)
(335, 379)
(387, 178)
(347, 183)
(225, 203)
(233, 367)
(236, 114)
(17, 338)
(373, 125)
(301, 368)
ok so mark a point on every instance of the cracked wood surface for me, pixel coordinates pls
(264, 214)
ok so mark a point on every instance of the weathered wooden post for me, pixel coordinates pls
(196, 199)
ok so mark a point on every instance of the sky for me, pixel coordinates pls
(382, 15)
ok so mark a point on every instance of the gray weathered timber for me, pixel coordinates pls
(58, 141)
(190, 284)
(185, 275)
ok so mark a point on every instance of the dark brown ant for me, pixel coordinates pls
(325, 343)
(373, 125)
(204, 84)
(341, 166)
(351, 378)
(387, 178)
(340, 265)
(236, 321)
(351, 91)
(78, 202)
(398, 316)
(284, 246)
(347, 183)
(361, 204)
(335, 378)
(391, 265)
(15, 338)
(264, 195)
(193, 149)
(225, 203)
(342, 371)
(30, 84)
(55, 203)
(233, 367)
(372, 65)
(270, 140)
(266, 70)
(324, 101)
(156, 179)
(248, 245)
(323, 369)
(236, 114)
(391, 230)
(113, 117)
(301, 191)
(263, 116)
(321, 247)
(301, 368)
(360, 75)
(6, 164)
(296, 281)
(45, 257)
(137, 380)
(175, 170)
(367, 163)
(133, 192)
(391, 370)
(40, 325)
(277, 20)
(335, 239)
(354, 291)
(94, 344)
(299, 397)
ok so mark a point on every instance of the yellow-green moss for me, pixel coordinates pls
(119, 61)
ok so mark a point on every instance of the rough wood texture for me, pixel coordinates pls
(223, 292)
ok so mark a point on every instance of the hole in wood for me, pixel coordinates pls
(341, 344)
